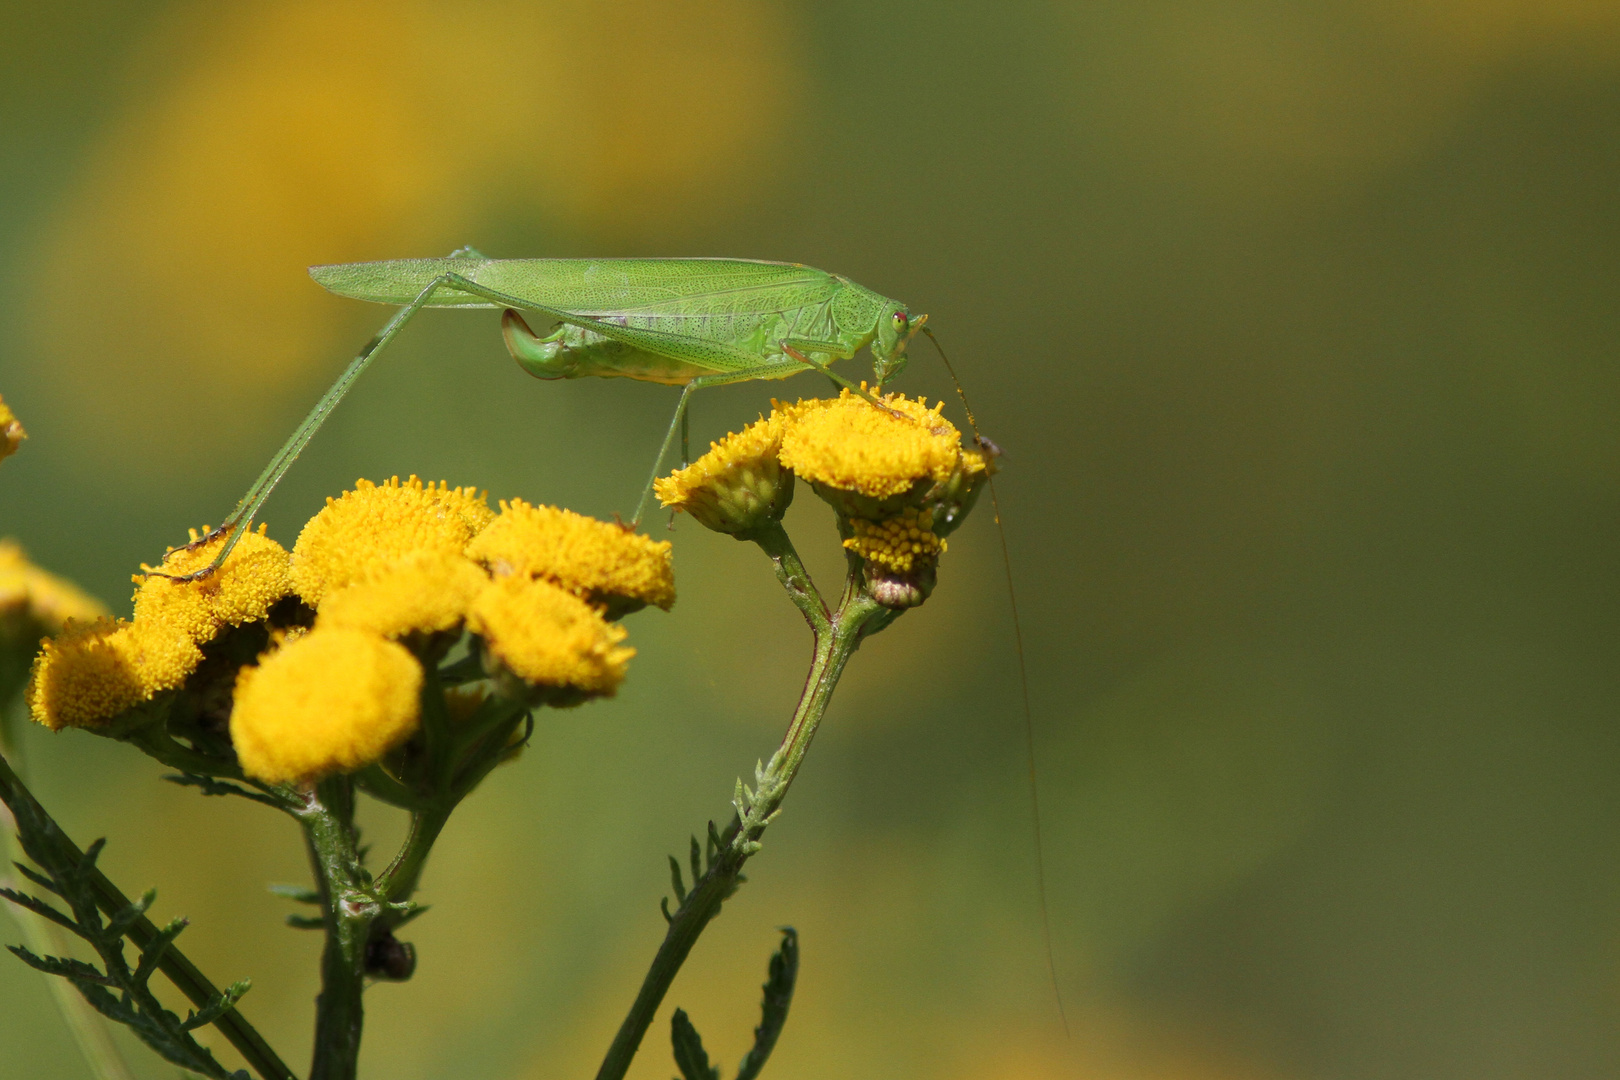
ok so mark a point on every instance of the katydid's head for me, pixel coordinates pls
(895, 329)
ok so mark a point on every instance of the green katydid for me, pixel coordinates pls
(687, 322)
(692, 323)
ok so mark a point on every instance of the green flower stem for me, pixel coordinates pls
(396, 883)
(350, 907)
(179, 970)
(773, 540)
(836, 640)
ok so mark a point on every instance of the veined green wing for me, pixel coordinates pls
(667, 288)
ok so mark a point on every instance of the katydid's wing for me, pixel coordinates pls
(592, 293)
(668, 288)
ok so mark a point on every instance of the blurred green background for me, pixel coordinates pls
(1297, 323)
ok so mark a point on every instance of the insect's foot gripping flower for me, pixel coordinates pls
(544, 645)
(608, 565)
(11, 431)
(899, 478)
(375, 525)
(242, 590)
(334, 700)
(738, 486)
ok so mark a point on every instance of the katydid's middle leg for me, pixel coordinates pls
(686, 438)
(676, 423)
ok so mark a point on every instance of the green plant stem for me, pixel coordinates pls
(773, 540)
(400, 879)
(180, 971)
(834, 645)
(350, 907)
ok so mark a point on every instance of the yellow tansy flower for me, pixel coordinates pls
(845, 443)
(372, 526)
(606, 564)
(896, 543)
(550, 640)
(93, 671)
(11, 431)
(253, 577)
(738, 486)
(34, 603)
(425, 593)
(334, 700)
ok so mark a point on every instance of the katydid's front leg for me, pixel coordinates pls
(820, 346)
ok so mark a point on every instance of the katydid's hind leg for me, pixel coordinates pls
(241, 518)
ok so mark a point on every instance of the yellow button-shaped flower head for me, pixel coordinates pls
(333, 700)
(899, 478)
(11, 431)
(848, 445)
(94, 671)
(372, 526)
(423, 594)
(545, 645)
(738, 486)
(252, 578)
(609, 565)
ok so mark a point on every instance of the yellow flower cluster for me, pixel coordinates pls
(252, 578)
(393, 573)
(739, 485)
(549, 639)
(336, 699)
(845, 443)
(374, 526)
(611, 566)
(93, 672)
(898, 476)
(897, 543)
(11, 431)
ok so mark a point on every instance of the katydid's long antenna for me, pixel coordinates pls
(1023, 683)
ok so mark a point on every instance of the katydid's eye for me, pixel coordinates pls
(899, 320)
